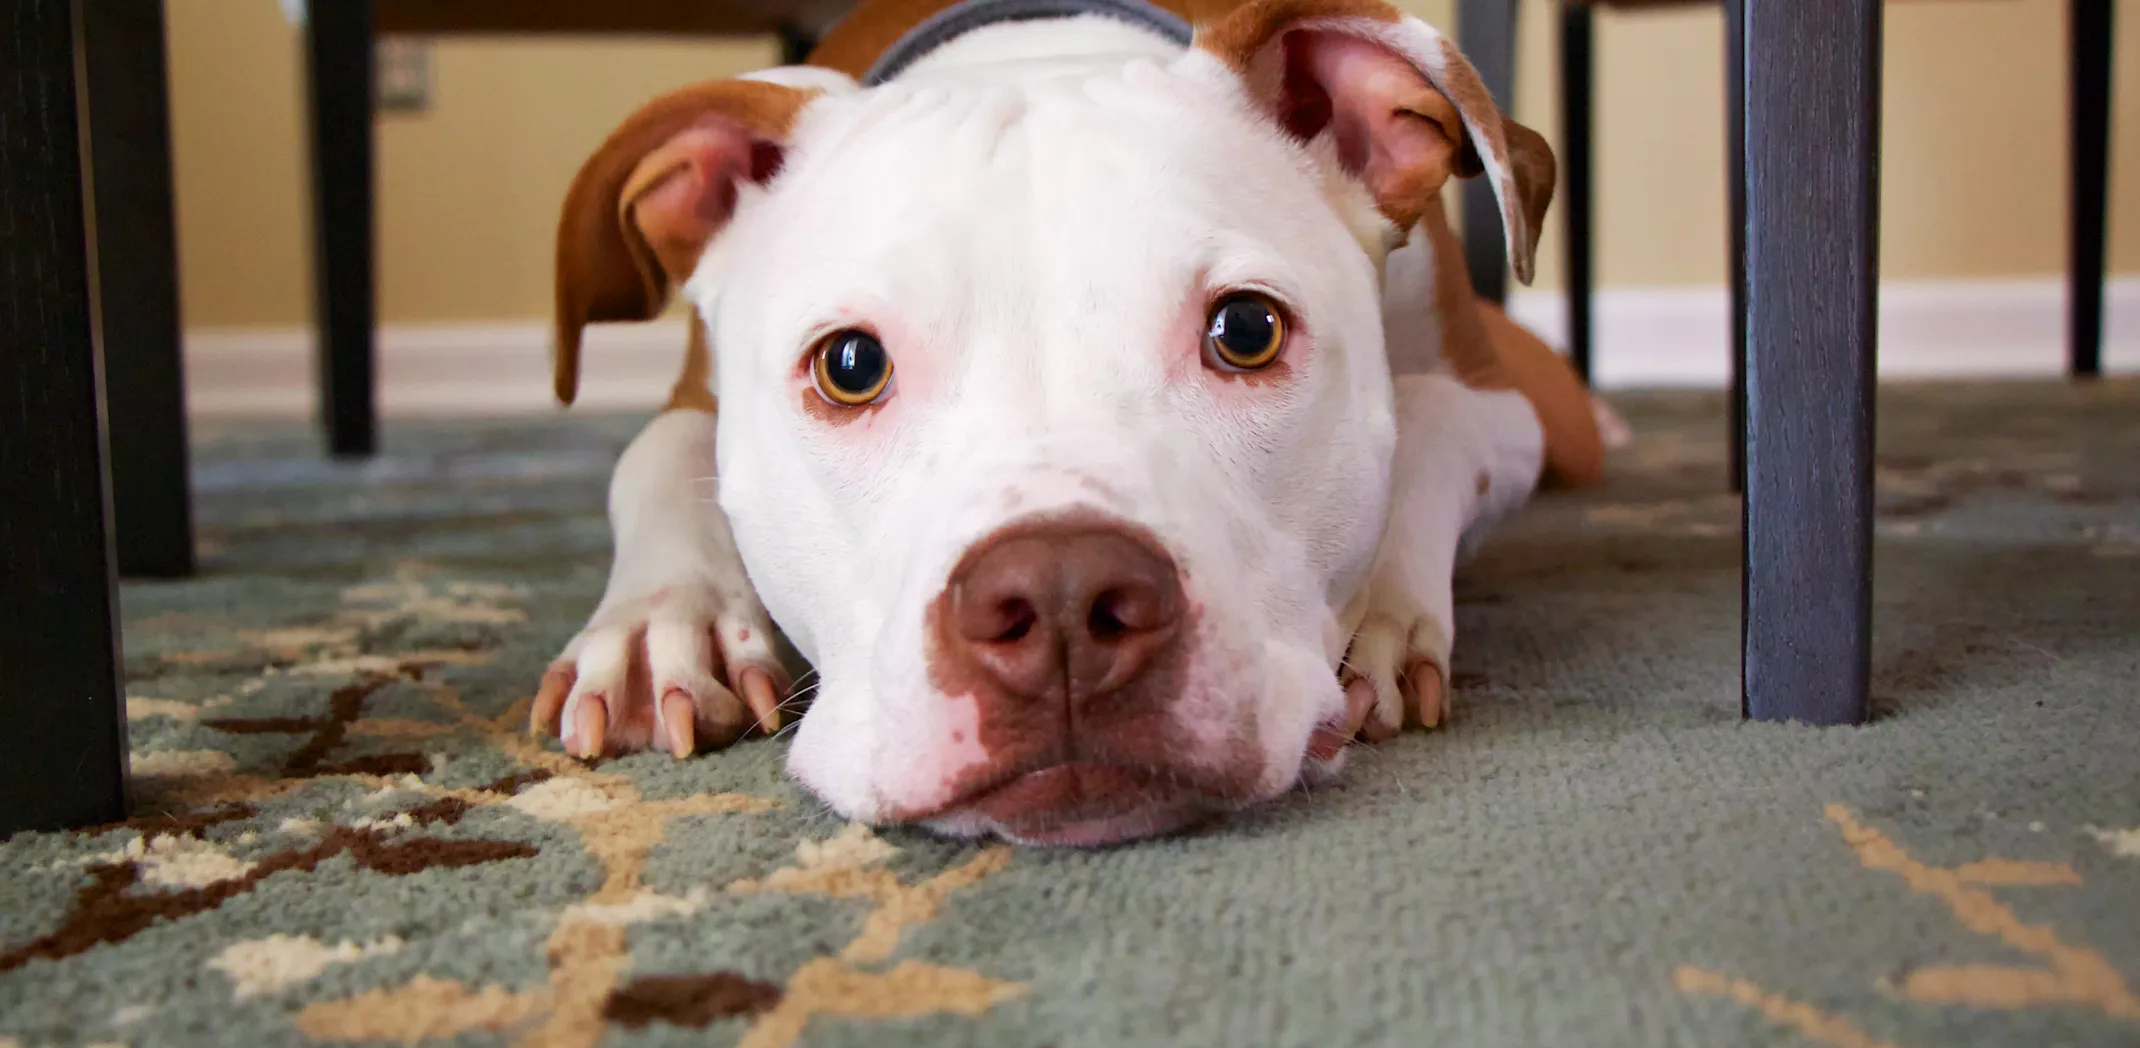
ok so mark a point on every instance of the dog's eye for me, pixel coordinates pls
(1245, 332)
(852, 368)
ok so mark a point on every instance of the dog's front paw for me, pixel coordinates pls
(683, 668)
(1397, 672)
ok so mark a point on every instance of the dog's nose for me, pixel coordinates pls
(1065, 613)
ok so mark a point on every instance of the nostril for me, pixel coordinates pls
(1104, 622)
(1014, 618)
(1122, 610)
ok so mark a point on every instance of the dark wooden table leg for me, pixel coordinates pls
(137, 282)
(1578, 80)
(62, 721)
(2093, 44)
(1735, 192)
(796, 44)
(338, 52)
(1812, 97)
(1487, 29)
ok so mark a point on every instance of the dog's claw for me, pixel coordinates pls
(1360, 711)
(665, 673)
(550, 698)
(1430, 697)
(678, 715)
(585, 735)
(763, 699)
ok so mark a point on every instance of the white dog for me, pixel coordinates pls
(1102, 411)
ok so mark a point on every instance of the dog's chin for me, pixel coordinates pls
(1074, 805)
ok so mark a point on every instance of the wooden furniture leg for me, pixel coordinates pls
(1812, 111)
(137, 284)
(1488, 30)
(338, 51)
(2092, 43)
(62, 721)
(1578, 110)
(1735, 192)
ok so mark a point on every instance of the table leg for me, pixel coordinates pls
(1735, 191)
(1578, 80)
(62, 722)
(338, 51)
(1812, 138)
(1487, 29)
(137, 284)
(2090, 36)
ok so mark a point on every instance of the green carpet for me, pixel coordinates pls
(344, 835)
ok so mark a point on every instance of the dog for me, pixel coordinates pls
(1090, 391)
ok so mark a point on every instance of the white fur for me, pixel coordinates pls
(1032, 219)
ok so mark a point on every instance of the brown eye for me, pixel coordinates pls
(1245, 332)
(851, 367)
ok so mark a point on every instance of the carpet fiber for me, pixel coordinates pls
(344, 834)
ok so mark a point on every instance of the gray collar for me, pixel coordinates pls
(957, 20)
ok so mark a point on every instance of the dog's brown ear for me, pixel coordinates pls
(644, 206)
(1405, 110)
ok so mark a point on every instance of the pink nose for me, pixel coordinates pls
(1060, 615)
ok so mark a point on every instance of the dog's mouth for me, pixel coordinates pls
(1074, 804)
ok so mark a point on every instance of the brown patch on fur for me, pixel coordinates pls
(1536, 173)
(1253, 40)
(688, 1000)
(606, 267)
(1465, 343)
(694, 388)
(1238, 35)
(1528, 178)
(1574, 450)
(854, 44)
(866, 32)
(108, 911)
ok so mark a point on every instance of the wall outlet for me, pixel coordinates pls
(401, 76)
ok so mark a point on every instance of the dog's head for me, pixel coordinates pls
(1055, 422)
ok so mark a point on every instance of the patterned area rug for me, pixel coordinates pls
(345, 836)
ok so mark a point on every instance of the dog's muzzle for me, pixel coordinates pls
(1071, 637)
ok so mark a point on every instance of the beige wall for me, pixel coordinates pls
(468, 191)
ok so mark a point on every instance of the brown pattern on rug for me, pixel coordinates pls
(688, 1000)
(342, 833)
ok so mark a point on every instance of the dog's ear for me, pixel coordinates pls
(644, 206)
(1405, 109)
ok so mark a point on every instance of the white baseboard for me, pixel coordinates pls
(435, 369)
(1644, 337)
(1928, 330)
